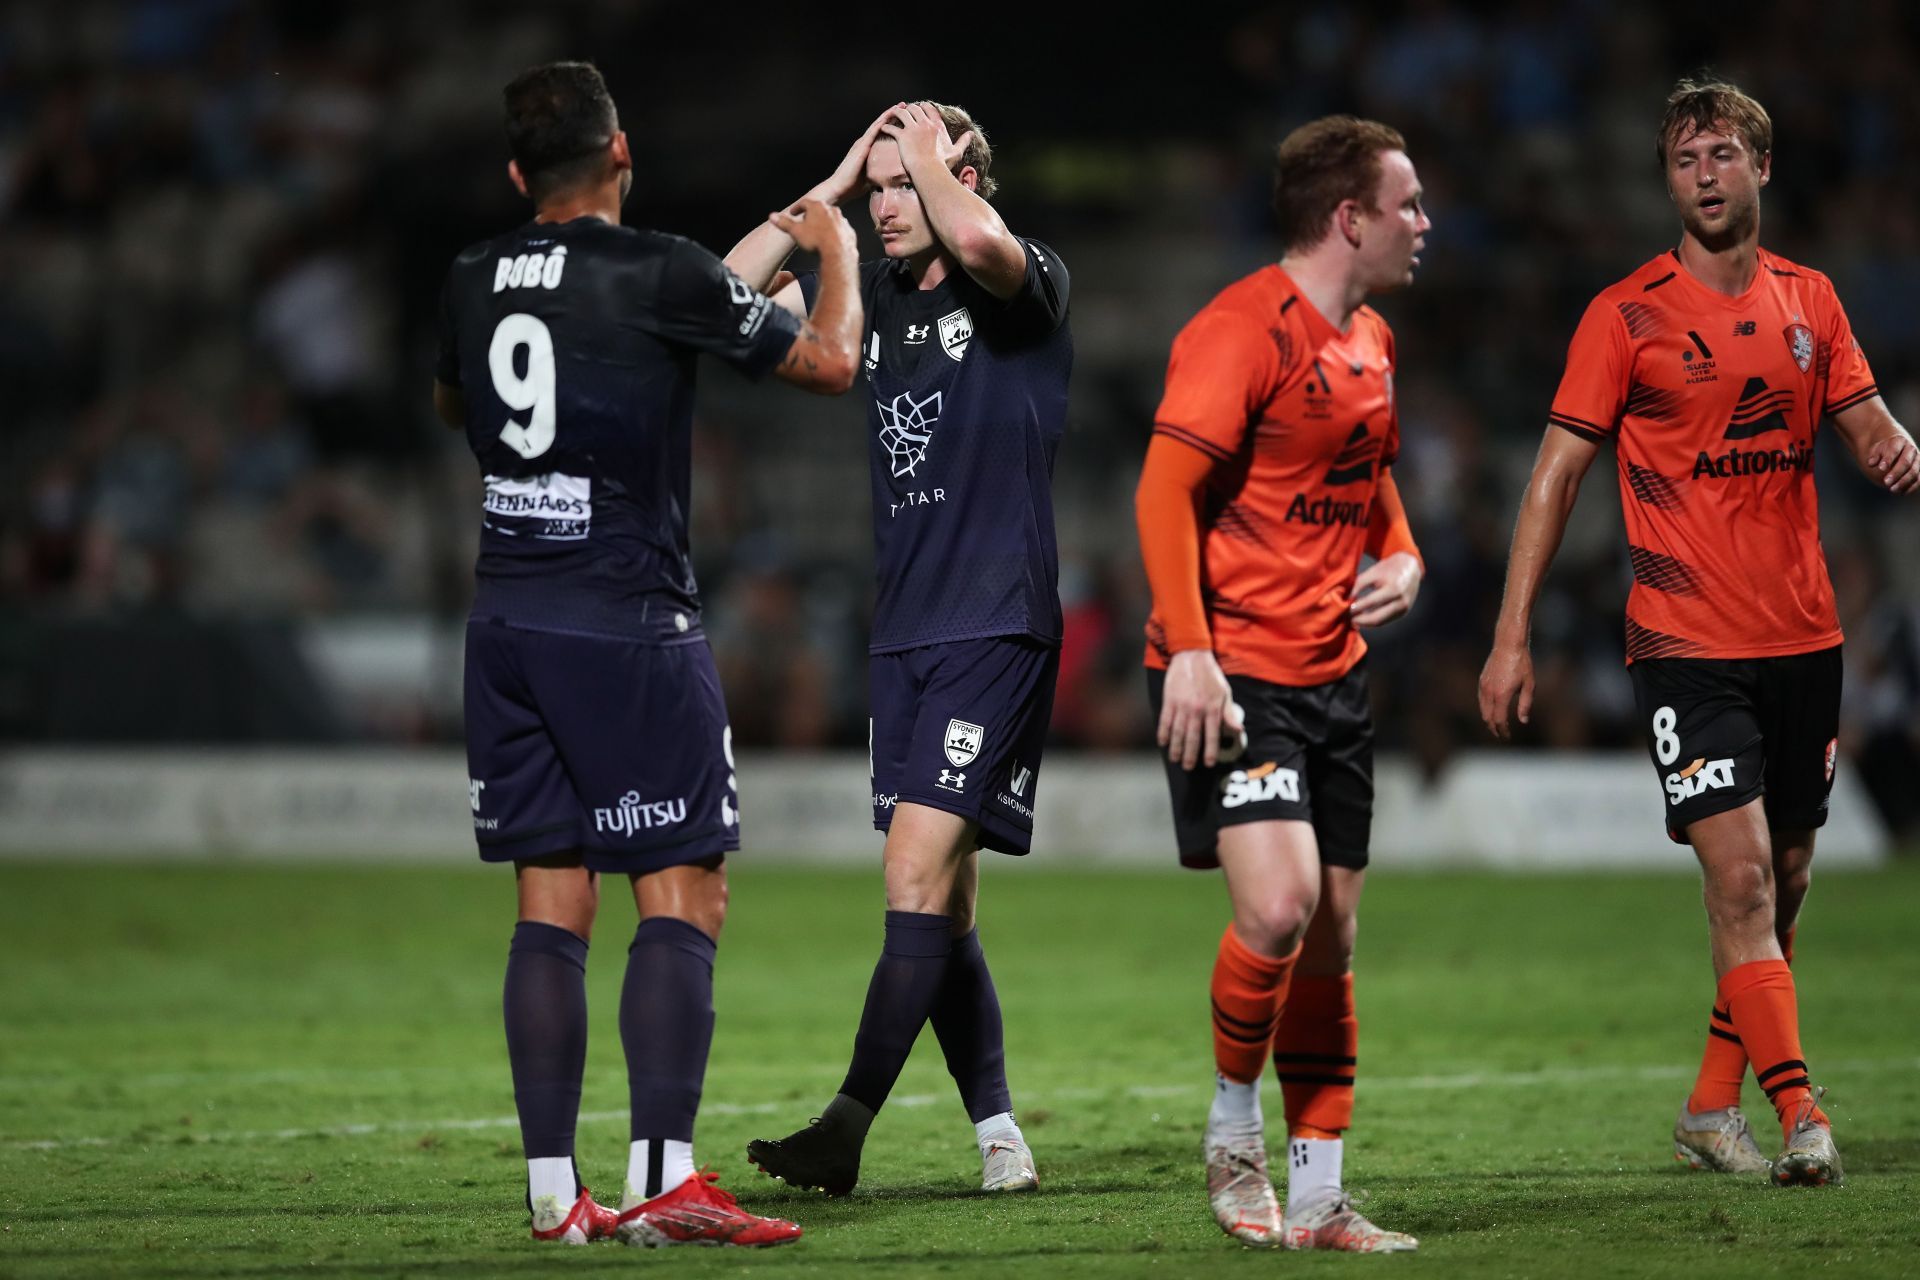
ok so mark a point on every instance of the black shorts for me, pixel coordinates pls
(1724, 731)
(617, 749)
(1309, 758)
(961, 727)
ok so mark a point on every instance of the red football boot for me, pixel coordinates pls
(586, 1221)
(699, 1212)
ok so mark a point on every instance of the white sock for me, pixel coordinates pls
(996, 1126)
(551, 1189)
(1236, 1110)
(676, 1166)
(1313, 1170)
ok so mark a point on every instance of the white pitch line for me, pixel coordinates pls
(1466, 1080)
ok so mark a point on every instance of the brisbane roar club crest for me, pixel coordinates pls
(956, 330)
(963, 742)
(1800, 343)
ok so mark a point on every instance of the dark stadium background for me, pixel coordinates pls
(228, 516)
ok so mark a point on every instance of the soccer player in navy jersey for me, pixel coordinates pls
(597, 739)
(967, 355)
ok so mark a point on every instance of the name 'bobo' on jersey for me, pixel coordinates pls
(967, 405)
(575, 345)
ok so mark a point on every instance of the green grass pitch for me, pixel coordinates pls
(233, 1071)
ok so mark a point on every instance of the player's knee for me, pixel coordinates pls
(1739, 893)
(1274, 925)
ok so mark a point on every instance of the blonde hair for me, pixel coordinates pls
(979, 152)
(1700, 106)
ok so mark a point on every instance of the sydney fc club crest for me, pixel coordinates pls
(1800, 342)
(956, 330)
(963, 742)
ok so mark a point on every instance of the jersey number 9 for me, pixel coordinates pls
(534, 392)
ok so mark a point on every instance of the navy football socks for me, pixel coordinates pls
(906, 983)
(545, 1003)
(966, 1018)
(666, 1025)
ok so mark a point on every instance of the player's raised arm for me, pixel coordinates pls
(763, 251)
(1544, 510)
(1884, 449)
(962, 221)
(825, 357)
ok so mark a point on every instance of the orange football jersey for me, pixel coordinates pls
(1713, 402)
(1299, 420)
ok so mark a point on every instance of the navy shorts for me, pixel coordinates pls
(1724, 732)
(618, 749)
(1309, 758)
(961, 727)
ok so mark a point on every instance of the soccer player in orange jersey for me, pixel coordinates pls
(1711, 368)
(1265, 480)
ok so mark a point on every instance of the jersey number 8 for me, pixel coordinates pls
(1665, 743)
(534, 392)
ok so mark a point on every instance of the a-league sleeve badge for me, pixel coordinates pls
(963, 742)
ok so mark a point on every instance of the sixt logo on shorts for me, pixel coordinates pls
(1262, 782)
(631, 815)
(1698, 777)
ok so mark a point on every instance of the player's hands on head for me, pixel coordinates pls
(816, 226)
(922, 134)
(1507, 675)
(849, 179)
(1386, 590)
(1897, 462)
(1196, 709)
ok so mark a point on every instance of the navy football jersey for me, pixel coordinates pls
(968, 401)
(575, 345)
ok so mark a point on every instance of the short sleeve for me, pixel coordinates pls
(1223, 370)
(1593, 390)
(1849, 379)
(446, 369)
(707, 307)
(1044, 292)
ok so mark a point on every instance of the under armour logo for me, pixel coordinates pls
(906, 430)
(951, 781)
(918, 333)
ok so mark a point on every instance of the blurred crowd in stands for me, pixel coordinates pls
(225, 225)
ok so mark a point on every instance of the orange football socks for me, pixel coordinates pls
(1723, 1066)
(1759, 997)
(1248, 990)
(1314, 1053)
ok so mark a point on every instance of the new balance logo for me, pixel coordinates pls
(1699, 777)
(1355, 460)
(1744, 328)
(1760, 410)
(951, 781)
